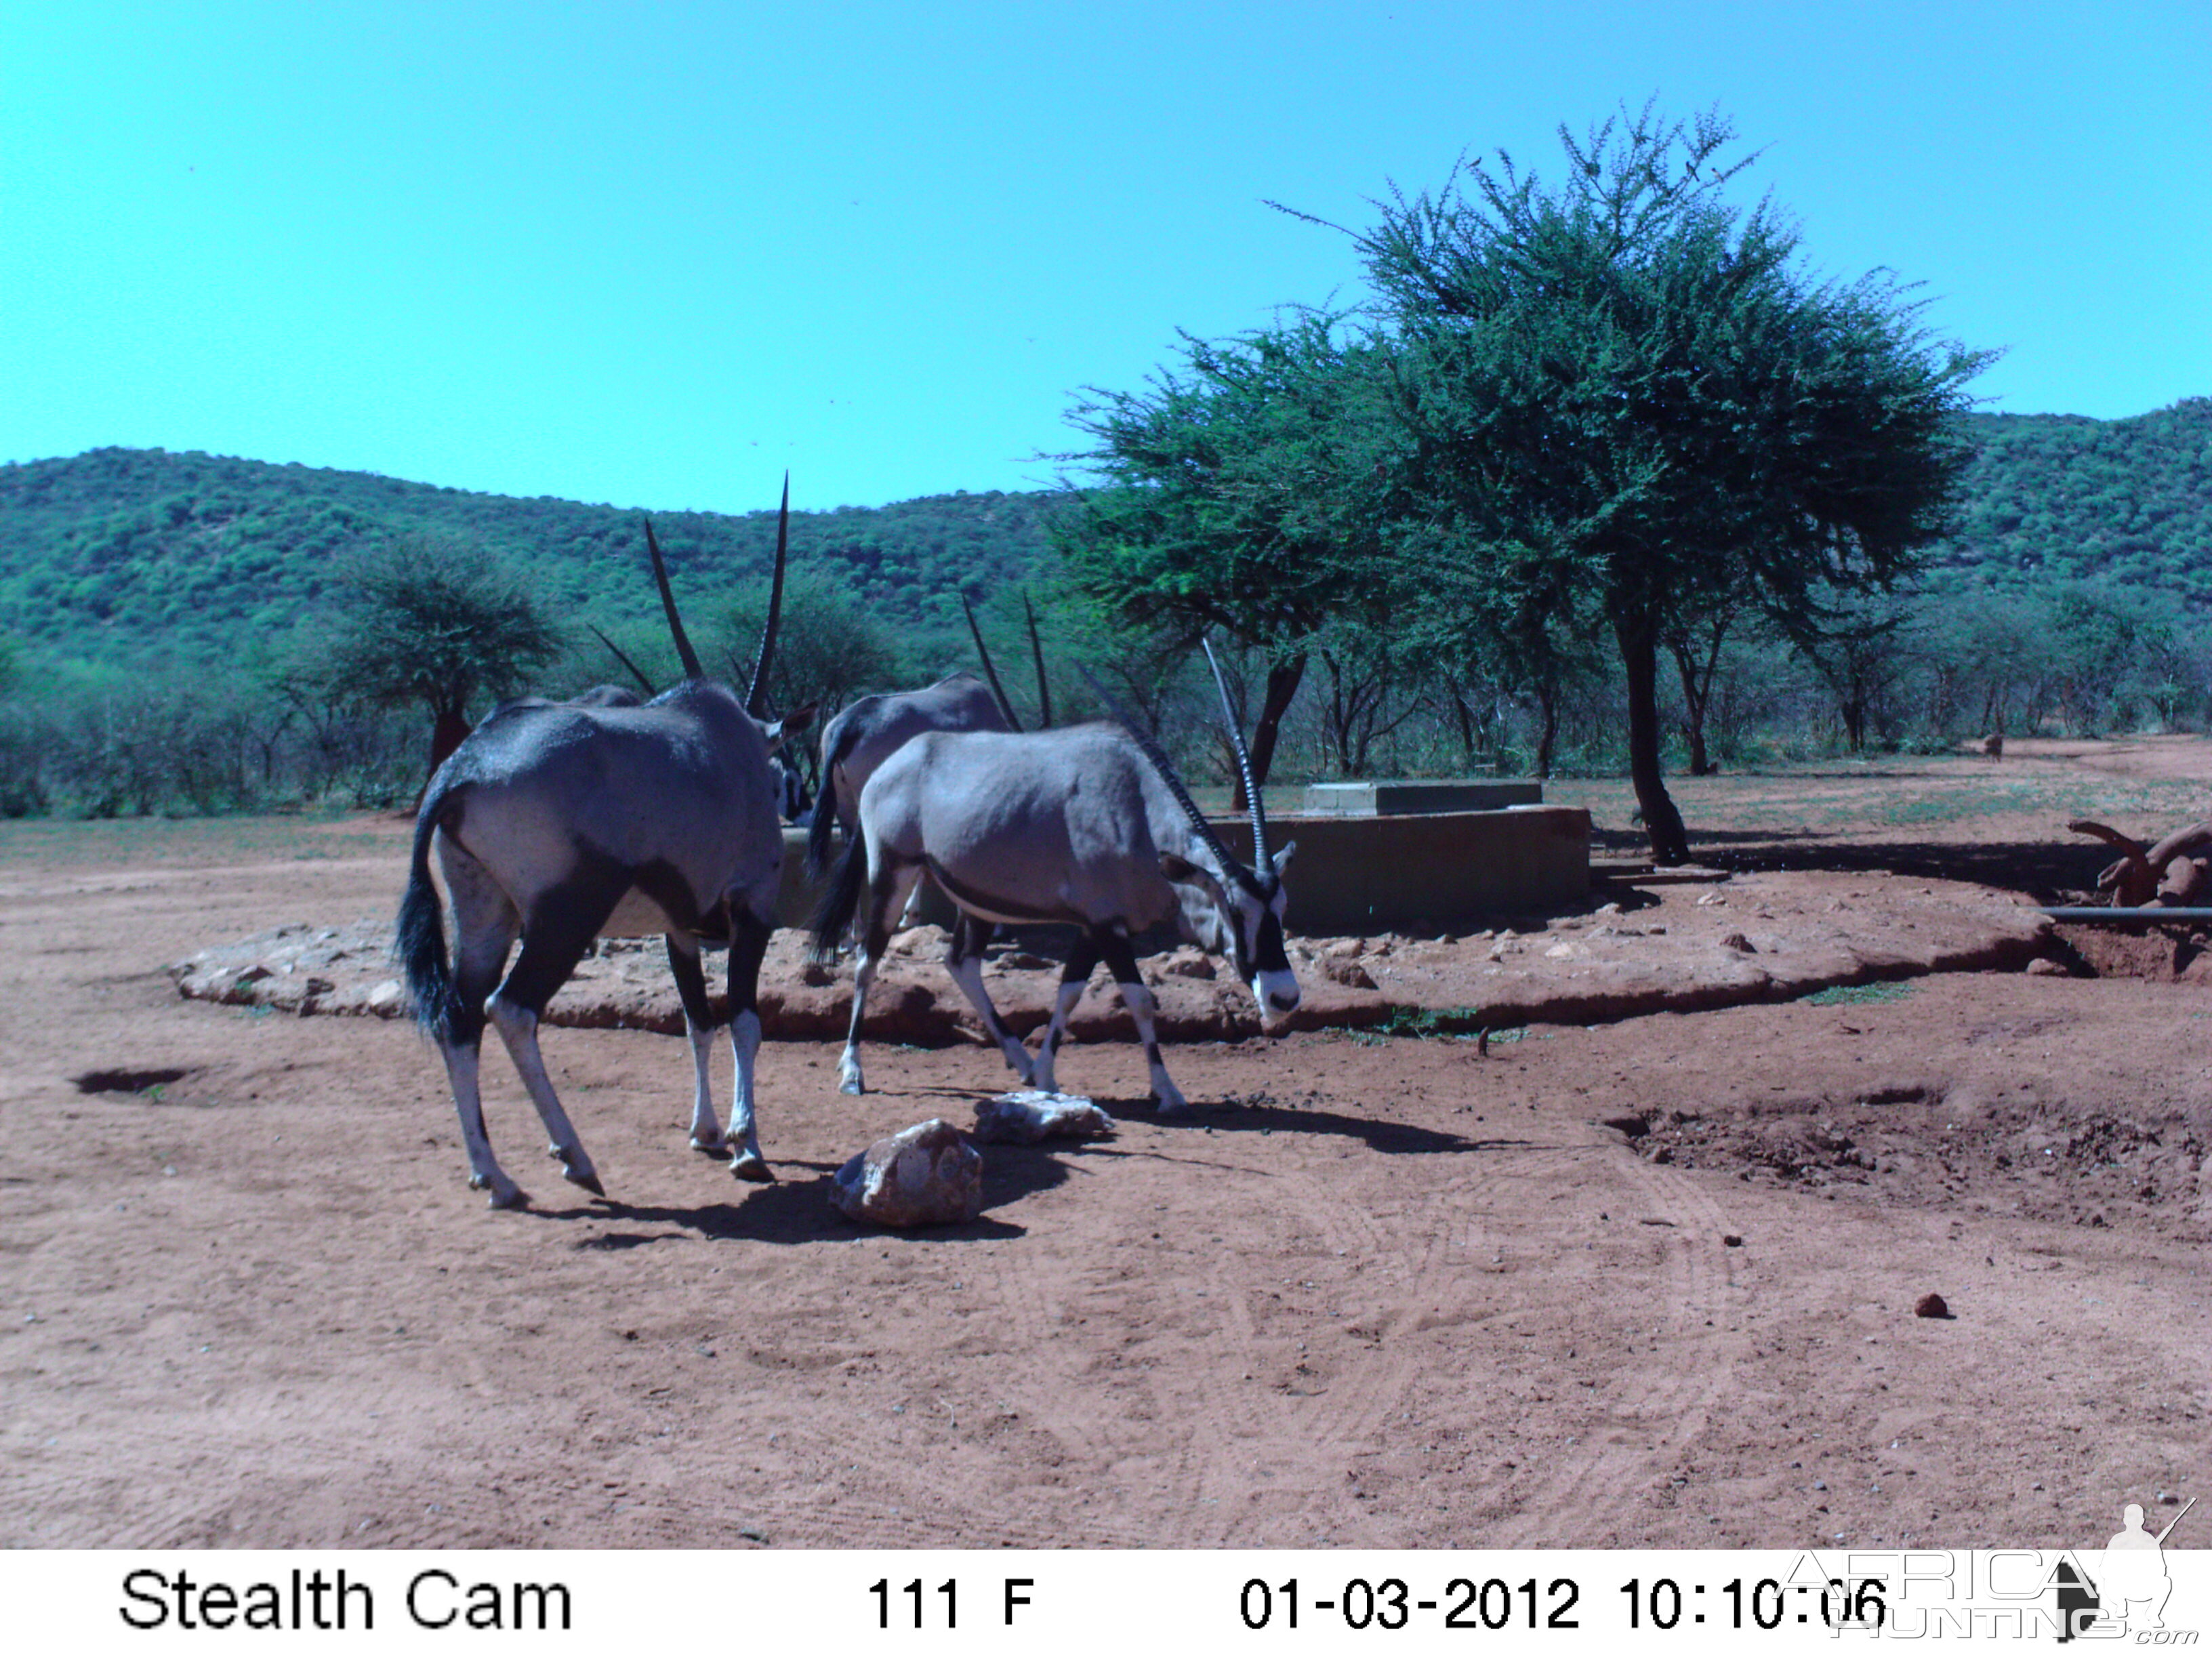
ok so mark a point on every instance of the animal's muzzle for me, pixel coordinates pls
(1276, 993)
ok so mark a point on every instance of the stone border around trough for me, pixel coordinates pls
(1684, 948)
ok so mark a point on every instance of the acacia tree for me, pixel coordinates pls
(1242, 493)
(435, 624)
(1633, 383)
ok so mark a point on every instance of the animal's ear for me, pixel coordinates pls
(1282, 860)
(1177, 868)
(798, 720)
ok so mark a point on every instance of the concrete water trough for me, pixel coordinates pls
(1378, 871)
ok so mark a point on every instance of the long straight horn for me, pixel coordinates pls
(990, 673)
(692, 671)
(1165, 767)
(1243, 763)
(636, 673)
(756, 696)
(1037, 655)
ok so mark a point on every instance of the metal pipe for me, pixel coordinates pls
(2125, 916)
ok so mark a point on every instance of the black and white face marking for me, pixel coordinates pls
(1244, 921)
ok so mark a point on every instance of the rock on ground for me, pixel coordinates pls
(927, 1176)
(1029, 1116)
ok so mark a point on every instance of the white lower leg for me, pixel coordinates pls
(461, 1066)
(849, 1080)
(517, 1028)
(1138, 1001)
(745, 1157)
(706, 1128)
(1042, 1073)
(967, 974)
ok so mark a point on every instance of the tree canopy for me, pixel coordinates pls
(1625, 397)
(1242, 493)
(438, 624)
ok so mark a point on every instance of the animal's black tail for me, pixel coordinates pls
(420, 944)
(834, 915)
(834, 751)
(825, 821)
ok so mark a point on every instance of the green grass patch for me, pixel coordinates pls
(1888, 990)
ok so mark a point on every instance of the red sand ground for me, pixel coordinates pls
(1391, 1291)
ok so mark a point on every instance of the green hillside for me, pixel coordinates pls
(124, 557)
(2054, 499)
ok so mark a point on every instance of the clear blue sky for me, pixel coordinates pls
(653, 254)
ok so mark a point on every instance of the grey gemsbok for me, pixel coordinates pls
(606, 815)
(869, 731)
(1087, 825)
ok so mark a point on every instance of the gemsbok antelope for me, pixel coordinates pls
(607, 814)
(869, 731)
(1086, 826)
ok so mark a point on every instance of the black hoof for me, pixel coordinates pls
(751, 1168)
(590, 1183)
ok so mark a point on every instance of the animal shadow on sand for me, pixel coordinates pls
(796, 1211)
(1233, 1116)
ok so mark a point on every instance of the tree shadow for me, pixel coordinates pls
(2048, 872)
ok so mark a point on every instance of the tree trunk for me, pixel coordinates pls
(1639, 660)
(447, 734)
(1283, 679)
(1547, 734)
(1697, 695)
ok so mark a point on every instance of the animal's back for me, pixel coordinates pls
(1062, 821)
(683, 781)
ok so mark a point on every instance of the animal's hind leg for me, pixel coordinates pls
(888, 891)
(963, 960)
(554, 940)
(699, 1027)
(1082, 957)
(748, 945)
(484, 927)
(1137, 997)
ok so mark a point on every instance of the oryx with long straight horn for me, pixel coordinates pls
(1086, 826)
(871, 730)
(558, 822)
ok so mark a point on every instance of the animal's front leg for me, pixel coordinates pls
(698, 1026)
(963, 960)
(1137, 997)
(1074, 974)
(748, 944)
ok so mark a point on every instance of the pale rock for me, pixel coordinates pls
(1346, 970)
(927, 940)
(1738, 943)
(387, 998)
(923, 1176)
(1189, 962)
(1029, 1116)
